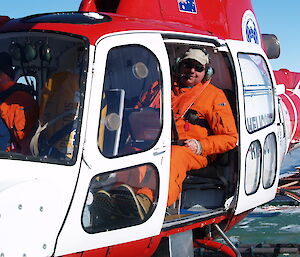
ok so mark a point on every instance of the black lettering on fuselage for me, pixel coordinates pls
(256, 122)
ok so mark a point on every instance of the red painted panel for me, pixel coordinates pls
(296, 100)
(88, 6)
(234, 12)
(4, 19)
(219, 247)
(73, 255)
(236, 219)
(218, 18)
(288, 78)
(287, 103)
(145, 247)
(96, 252)
(140, 9)
(210, 16)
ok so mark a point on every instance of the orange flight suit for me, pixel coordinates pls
(59, 96)
(150, 98)
(20, 113)
(219, 136)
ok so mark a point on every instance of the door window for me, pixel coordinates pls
(120, 198)
(253, 167)
(269, 160)
(258, 92)
(130, 120)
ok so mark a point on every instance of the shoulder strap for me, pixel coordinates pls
(182, 103)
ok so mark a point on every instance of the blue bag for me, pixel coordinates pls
(5, 137)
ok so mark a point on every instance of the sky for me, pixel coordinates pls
(274, 17)
(282, 19)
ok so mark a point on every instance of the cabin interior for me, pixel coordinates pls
(208, 189)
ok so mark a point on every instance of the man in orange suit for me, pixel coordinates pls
(203, 117)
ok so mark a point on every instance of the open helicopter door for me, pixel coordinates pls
(127, 146)
(258, 139)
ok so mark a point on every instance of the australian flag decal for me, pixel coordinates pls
(187, 6)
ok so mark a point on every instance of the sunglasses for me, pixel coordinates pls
(196, 66)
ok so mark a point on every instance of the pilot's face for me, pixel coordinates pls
(191, 73)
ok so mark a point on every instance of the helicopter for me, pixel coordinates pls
(87, 70)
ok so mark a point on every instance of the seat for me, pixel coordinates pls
(145, 126)
(207, 188)
(59, 103)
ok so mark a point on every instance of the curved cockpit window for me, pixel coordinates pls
(42, 110)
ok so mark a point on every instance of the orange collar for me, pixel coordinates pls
(179, 90)
(185, 98)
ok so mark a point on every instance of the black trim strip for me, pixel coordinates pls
(191, 38)
(189, 220)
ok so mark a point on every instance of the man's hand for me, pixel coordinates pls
(194, 145)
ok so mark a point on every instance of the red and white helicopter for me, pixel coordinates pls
(88, 70)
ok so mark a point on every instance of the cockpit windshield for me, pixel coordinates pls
(41, 94)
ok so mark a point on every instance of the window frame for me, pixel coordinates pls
(249, 54)
(154, 202)
(258, 171)
(275, 161)
(160, 77)
(39, 85)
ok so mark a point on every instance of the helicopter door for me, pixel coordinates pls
(259, 146)
(123, 185)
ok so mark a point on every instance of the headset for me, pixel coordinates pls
(209, 71)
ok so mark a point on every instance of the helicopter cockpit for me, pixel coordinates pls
(52, 66)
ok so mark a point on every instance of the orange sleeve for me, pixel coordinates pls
(22, 113)
(151, 98)
(224, 133)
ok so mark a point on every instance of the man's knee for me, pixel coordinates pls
(184, 158)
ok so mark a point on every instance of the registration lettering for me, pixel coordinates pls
(256, 122)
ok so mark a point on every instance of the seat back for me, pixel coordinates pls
(209, 187)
